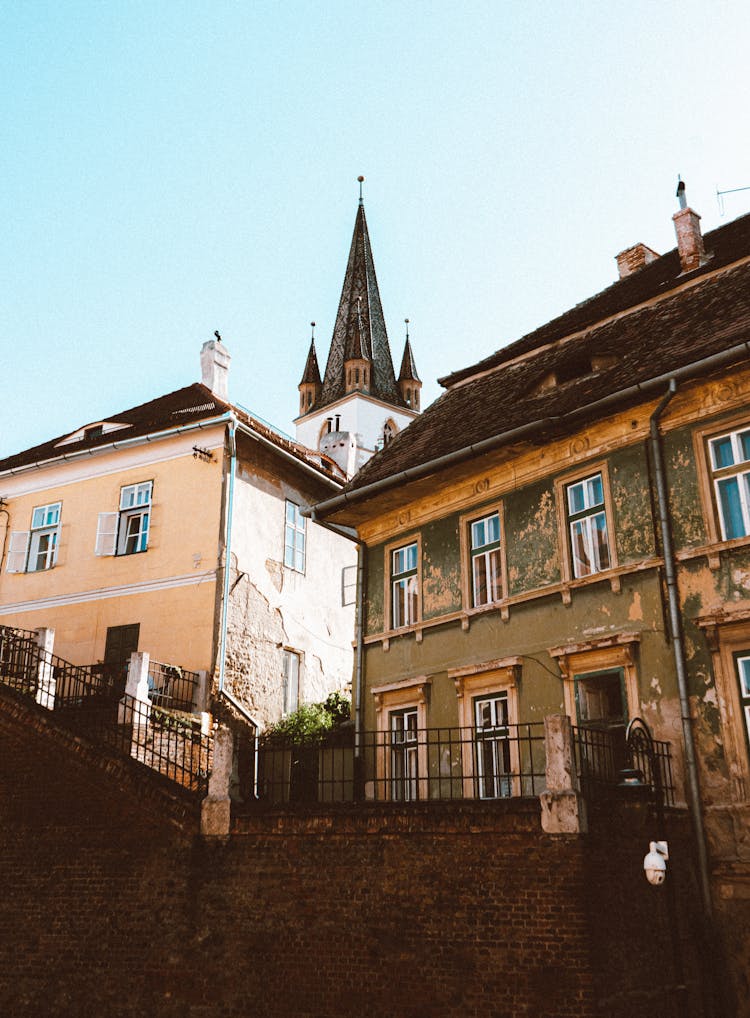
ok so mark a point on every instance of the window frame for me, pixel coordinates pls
(465, 523)
(289, 654)
(137, 511)
(31, 540)
(390, 550)
(719, 474)
(392, 699)
(612, 653)
(566, 519)
(489, 680)
(292, 527)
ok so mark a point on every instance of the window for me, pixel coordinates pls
(730, 465)
(34, 550)
(492, 745)
(348, 585)
(587, 524)
(743, 674)
(404, 769)
(290, 673)
(404, 586)
(294, 538)
(486, 577)
(126, 532)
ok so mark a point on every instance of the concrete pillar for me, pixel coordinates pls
(216, 807)
(563, 809)
(46, 683)
(136, 688)
(200, 697)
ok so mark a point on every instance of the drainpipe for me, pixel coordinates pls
(227, 551)
(678, 647)
(351, 535)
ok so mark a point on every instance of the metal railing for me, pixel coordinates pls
(90, 699)
(171, 686)
(426, 764)
(602, 754)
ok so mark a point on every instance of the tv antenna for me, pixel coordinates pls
(720, 196)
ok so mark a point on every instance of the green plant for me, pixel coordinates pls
(312, 720)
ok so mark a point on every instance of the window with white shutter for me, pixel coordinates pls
(106, 533)
(18, 546)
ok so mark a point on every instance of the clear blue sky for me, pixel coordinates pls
(171, 168)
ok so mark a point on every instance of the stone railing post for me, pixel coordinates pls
(46, 683)
(216, 807)
(200, 696)
(136, 688)
(563, 809)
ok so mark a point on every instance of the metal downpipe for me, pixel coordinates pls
(678, 647)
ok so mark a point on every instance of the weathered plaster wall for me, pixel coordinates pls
(531, 539)
(631, 504)
(273, 607)
(688, 525)
(441, 567)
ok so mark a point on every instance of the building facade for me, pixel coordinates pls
(580, 546)
(118, 534)
(359, 405)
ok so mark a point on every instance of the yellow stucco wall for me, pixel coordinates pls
(169, 589)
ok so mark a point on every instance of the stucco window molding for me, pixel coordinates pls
(468, 553)
(617, 651)
(390, 699)
(708, 476)
(564, 519)
(727, 636)
(499, 676)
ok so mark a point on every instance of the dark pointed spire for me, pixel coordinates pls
(311, 373)
(408, 372)
(360, 324)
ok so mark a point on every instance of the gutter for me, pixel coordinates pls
(678, 647)
(532, 428)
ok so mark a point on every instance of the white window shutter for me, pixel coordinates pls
(106, 534)
(18, 547)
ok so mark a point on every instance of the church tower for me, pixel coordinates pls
(359, 405)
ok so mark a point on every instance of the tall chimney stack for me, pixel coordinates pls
(688, 231)
(215, 367)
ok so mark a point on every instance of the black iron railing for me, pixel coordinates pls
(172, 686)
(602, 755)
(90, 699)
(425, 764)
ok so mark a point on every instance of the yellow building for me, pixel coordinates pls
(116, 536)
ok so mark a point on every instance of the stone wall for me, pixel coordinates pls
(112, 905)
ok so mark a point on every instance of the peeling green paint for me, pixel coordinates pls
(531, 538)
(684, 494)
(441, 568)
(631, 505)
(375, 588)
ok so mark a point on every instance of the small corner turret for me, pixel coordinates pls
(409, 381)
(311, 382)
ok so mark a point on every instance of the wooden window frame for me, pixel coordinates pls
(465, 521)
(395, 698)
(729, 636)
(613, 653)
(388, 597)
(562, 484)
(702, 437)
(499, 676)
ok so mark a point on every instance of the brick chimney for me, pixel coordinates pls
(688, 230)
(215, 367)
(634, 258)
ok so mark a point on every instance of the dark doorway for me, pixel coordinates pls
(122, 641)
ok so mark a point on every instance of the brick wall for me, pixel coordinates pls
(111, 905)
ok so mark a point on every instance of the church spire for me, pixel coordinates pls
(360, 326)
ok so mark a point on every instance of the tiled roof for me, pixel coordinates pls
(311, 374)
(176, 409)
(360, 298)
(555, 379)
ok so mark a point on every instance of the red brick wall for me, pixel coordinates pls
(112, 906)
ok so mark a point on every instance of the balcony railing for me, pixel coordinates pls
(427, 764)
(602, 754)
(171, 686)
